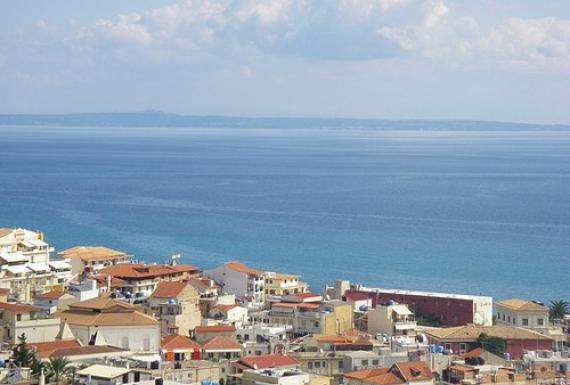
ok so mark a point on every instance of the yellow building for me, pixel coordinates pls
(278, 284)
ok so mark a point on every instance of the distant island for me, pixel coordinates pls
(161, 119)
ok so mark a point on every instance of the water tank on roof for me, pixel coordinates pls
(391, 302)
(440, 349)
(363, 308)
(172, 301)
(507, 356)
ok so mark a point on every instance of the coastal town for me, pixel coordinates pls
(94, 315)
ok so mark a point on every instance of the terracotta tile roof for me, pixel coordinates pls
(221, 343)
(215, 329)
(86, 318)
(45, 349)
(101, 304)
(461, 368)
(92, 253)
(389, 378)
(50, 295)
(225, 308)
(521, 304)
(5, 231)
(89, 349)
(178, 342)
(306, 295)
(356, 296)
(241, 268)
(414, 370)
(474, 353)
(282, 276)
(471, 333)
(102, 280)
(185, 268)
(309, 305)
(367, 373)
(269, 361)
(141, 271)
(18, 307)
(168, 289)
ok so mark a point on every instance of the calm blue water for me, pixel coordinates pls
(471, 212)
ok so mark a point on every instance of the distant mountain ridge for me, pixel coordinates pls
(162, 119)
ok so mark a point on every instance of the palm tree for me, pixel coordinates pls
(58, 369)
(558, 309)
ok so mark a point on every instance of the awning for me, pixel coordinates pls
(14, 257)
(17, 269)
(60, 265)
(28, 244)
(401, 310)
(37, 242)
(38, 267)
(405, 326)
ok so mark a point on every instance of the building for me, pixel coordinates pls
(462, 339)
(18, 319)
(275, 377)
(93, 258)
(417, 373)
(332, 317)
(278, 284)
(523, 313)
(232, 313)
(105, 321)
(547, 364)
(263, 340)
(179, 348)
(53, 301)
(175, 304)
(205, 333)
(220, 348)
(321, 364)
(360, 301)
(190, 372)
(236, 278)
(25, 263)
(448, 309)
(110, 375)
(392, 319)
(266, 361)
(141, 279)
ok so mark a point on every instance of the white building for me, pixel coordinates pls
(241, 280)
(93, 258)
(275, 377)
(526, 314)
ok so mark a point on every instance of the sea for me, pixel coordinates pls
(474, 212)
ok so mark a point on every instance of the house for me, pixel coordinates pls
(266, 361)
(190, 372)
(17, 319)
(105, 321)
(24, 263)
(279, 284)
(359, 360)
(262, 339)
(93, 258)
(86, 289)
(462, 339)
(176, 348)
(417, 373)
(235, 314)
(44, 349)
(81, 355)
(523, 313)
(221, 347)
(546, 364)
(110, 375)
(143, 278)
(275, 377)
(392, 319)
(331, 317)
(338, 343)
(53, 301)
(205, 333)
(449, 309)
(359, 301)
(241, 280)
(175, 304)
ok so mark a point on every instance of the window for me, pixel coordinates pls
(447, 346)
(126, 378)
(509, 319)
(364, 362)
(310, 365)
(125, 342)
(18, 317)
(317, 364)
(137, 376)
(340, 365)
(525, 321)
(503, 316)
(375, 362)
(462, 348)
(540, 321)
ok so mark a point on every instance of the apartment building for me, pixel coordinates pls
(93, 258)
(236, 278)
(18, 319)
(279, 284)
(391, 319)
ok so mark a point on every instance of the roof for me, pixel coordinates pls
(168, 289)
(101, 304)
(474, 353)
(18, 307)
(215, 328)
(89, 349)
(103, 371)
(462, 368)
(54, 294)
(414, 370)
(274, 275)
(178, 342)
(380, 376)
(221, 343)
(269, 361)
(471, 333)
(45, 349)
(84, 318)
(225, 308)
(142, 271)
(5, 231)
(356, 296)
(343, 340)
(92, 253)
(306, 305)
(241, 268)
(521, 304)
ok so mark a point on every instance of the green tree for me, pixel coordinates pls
(558, 309)
(495, 345)
(22, 356)
(58, 369)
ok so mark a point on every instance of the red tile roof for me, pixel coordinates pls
(474, 353)
(168, 289)
(306, 295)
(221, 343)
(142, 271)
(356, 296)
(414, 371)
(18, 307)
(241, 268)
(50, 295)
(215, 329)
(269, 361)
(178, 342)
(45, 349)
(225, 308)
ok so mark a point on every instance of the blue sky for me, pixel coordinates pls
(443, 59)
